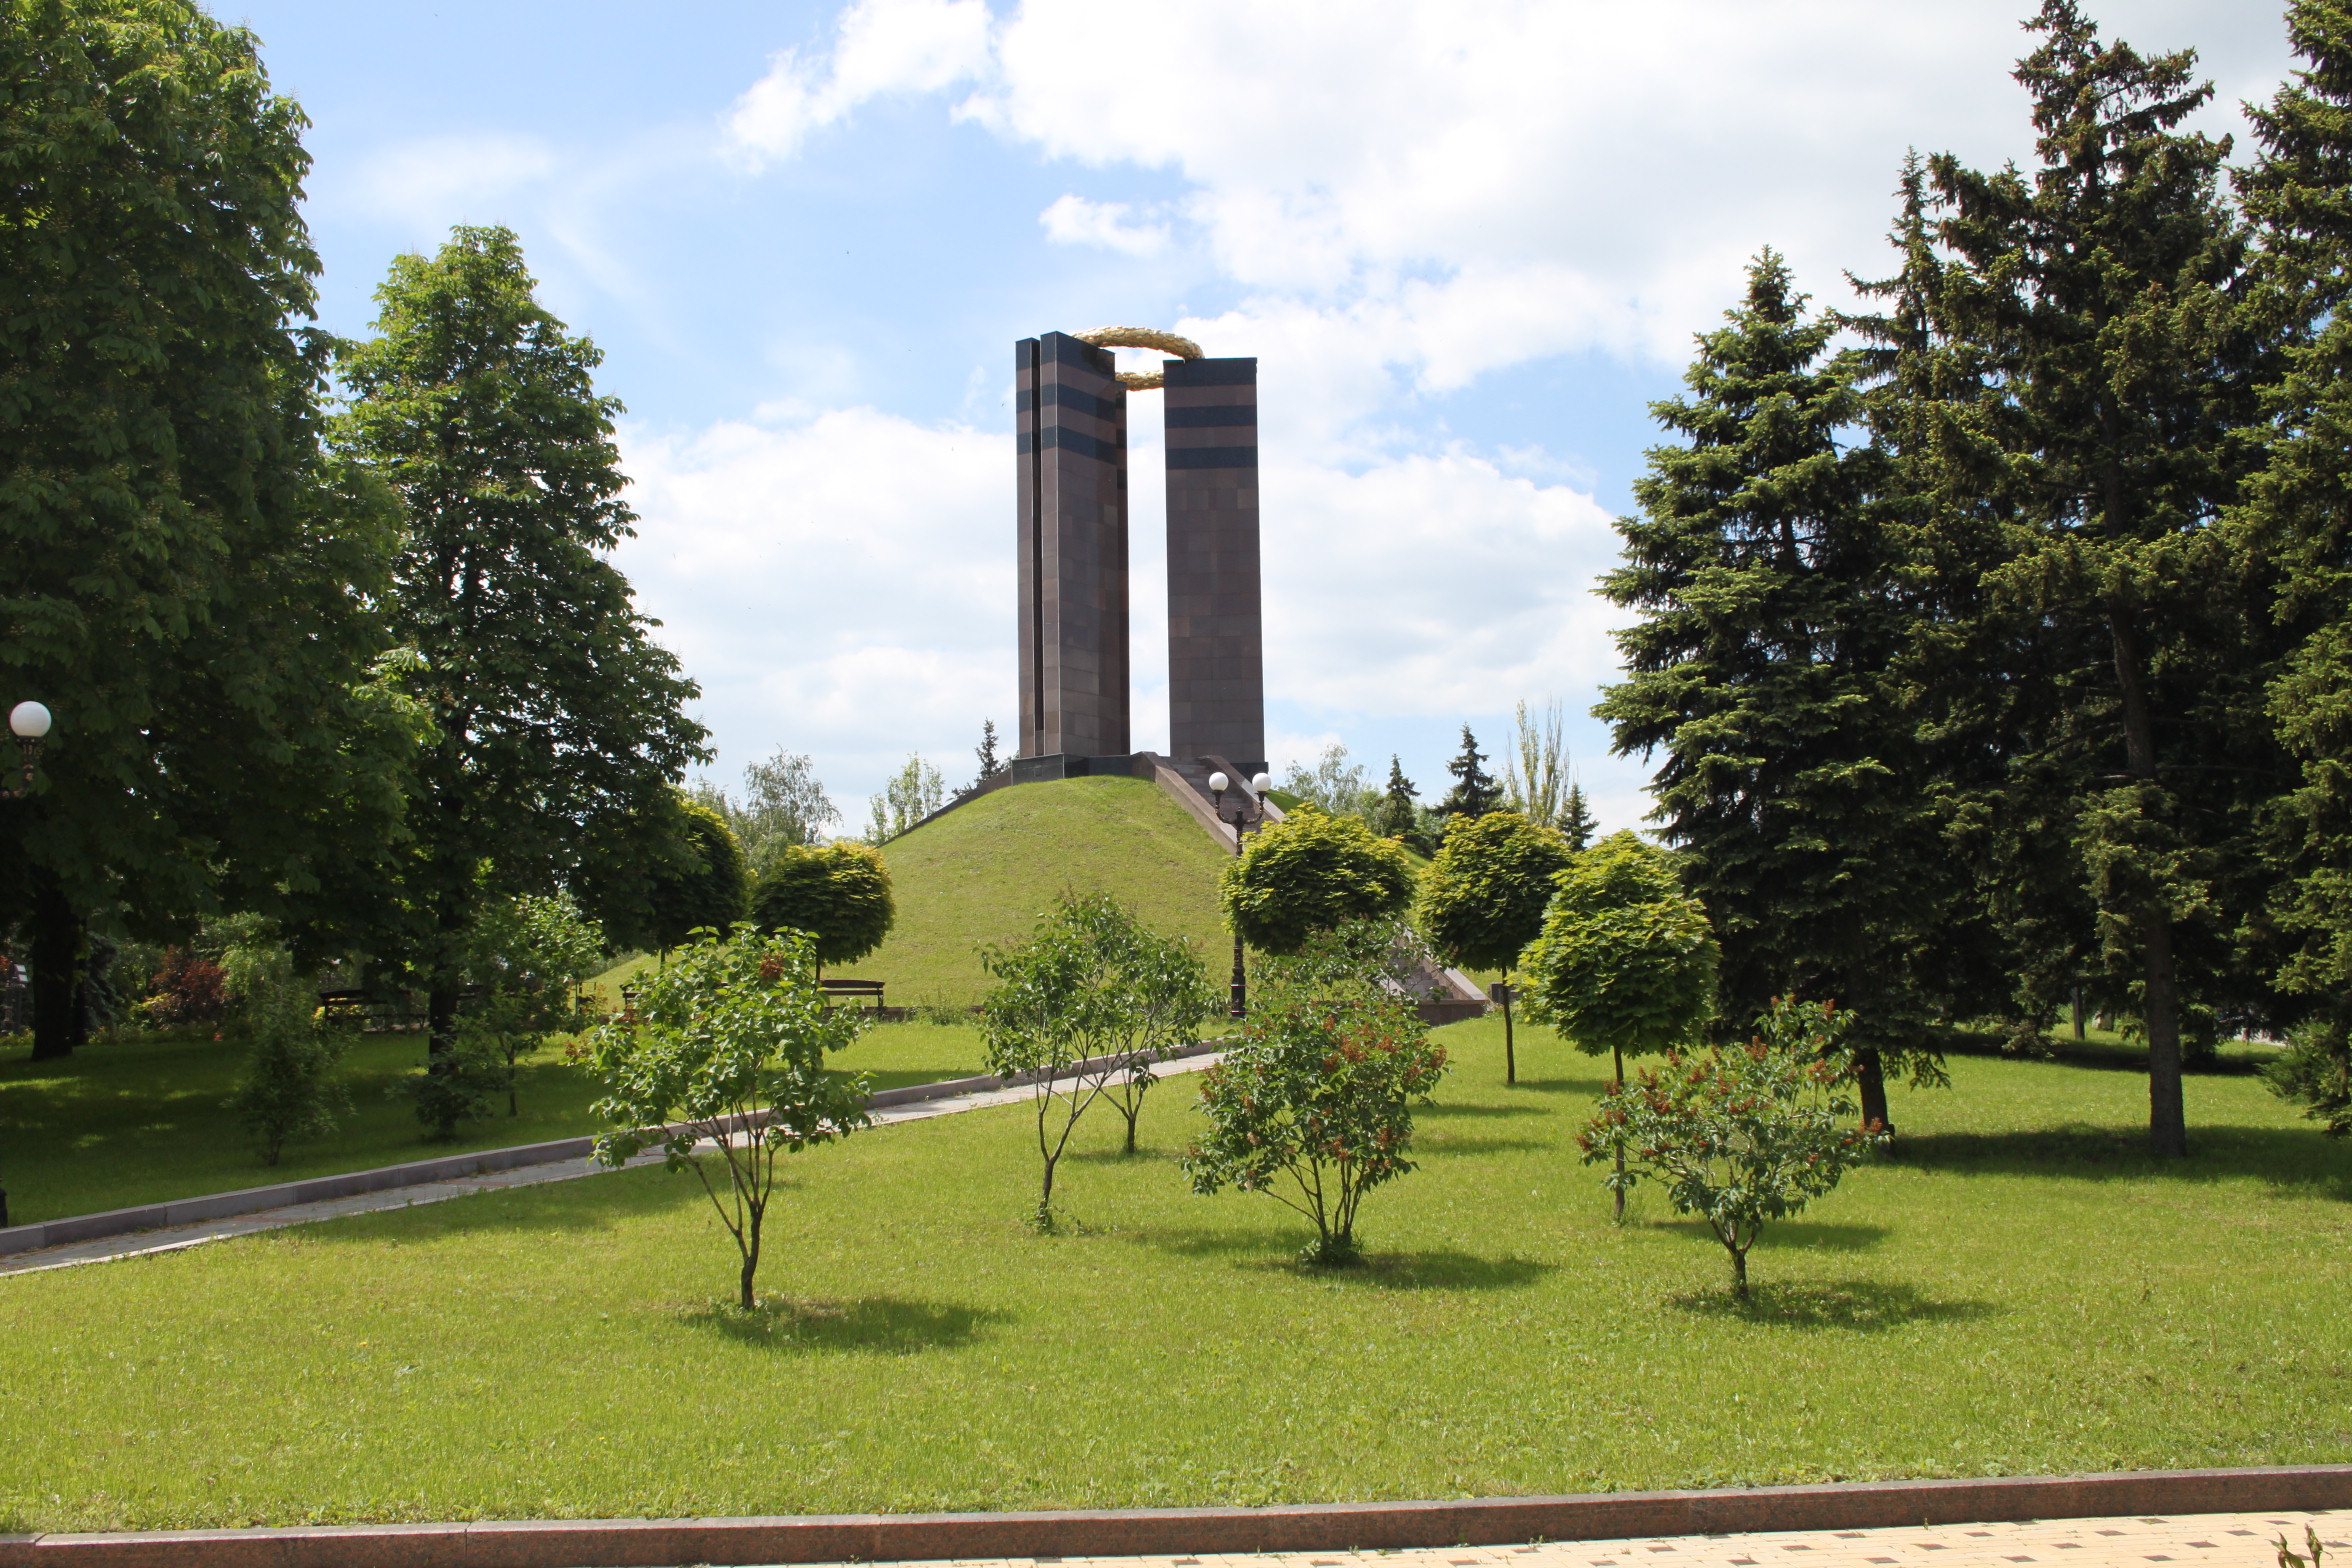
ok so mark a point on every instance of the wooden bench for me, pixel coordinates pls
(853, 988)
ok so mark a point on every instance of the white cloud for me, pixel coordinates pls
(880, 46)
(1073, 220)
(839, 584)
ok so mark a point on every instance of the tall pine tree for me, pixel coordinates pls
(1475, 791)
(2096, 298)
(1763, 666)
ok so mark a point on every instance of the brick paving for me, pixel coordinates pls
(2208, 1540)
(171, 1239)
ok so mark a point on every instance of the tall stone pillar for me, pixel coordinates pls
(1071, 416)
(1216, 638)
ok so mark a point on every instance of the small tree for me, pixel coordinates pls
(721, 1066)
(1483, 899)
(1312, 872)
(1625, 962)
(1747, 1134)
(1535, 779)
(1333, 784)
(985, 752)
(1315, 1107)
(1576, 821)
(837, 893)
(913, 793)
(1397, 814)
(289, 1089)
(1081, 1010)
(530, 956)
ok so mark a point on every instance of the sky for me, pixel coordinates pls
(1469, 242)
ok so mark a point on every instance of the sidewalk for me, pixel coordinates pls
(2219, 1540)
(173, 1238)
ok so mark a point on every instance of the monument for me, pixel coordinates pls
(1071, 438)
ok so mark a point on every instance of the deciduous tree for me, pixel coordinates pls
(1309, 873)
(838, 893)
(1483, 899)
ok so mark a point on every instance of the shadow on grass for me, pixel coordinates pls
(2295, 1157)
(1792, 1235)
(1596, 1085)
(1452, 1145)
(1445, 1112)
(1859, 1305)
(879, 1323)
(1277, 1253)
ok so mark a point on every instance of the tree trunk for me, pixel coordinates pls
(1870, 1082)
(749, 1300)
(1739, 1274)
(2168, 1133)
(1617, 1062)
(441, 1024)
(2078, 1015)
(1510, 1055)
(57, 993)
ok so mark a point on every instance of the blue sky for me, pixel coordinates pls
(1468, 240)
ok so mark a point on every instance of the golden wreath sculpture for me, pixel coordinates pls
(1141, 337)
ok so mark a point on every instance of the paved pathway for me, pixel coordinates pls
(171, 1239)
(2218, 1540)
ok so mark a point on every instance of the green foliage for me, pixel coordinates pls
(1576, 820)
(1312, 872)
(1080, 1011)
(558, 724)
(1483, 897)
(190, 582)
(2315, 1072)
(723, 1065)
(839, 894)
(1536, 782)
(911, 794)
(1748, 1134)
(708, 885)
(1475, 793)
(1397, 813)
(289, 1089)
(784, 803)
(1770, 666)
(1626, 960)
(459, 1083)
(530, 956)
(1315, 1108)
(1335, 785)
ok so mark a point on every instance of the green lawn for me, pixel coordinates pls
(984, 872)
(136, 1117)
(2019, 1291)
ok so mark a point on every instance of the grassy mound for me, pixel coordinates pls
(984, 872)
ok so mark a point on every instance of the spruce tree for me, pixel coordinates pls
(2296, 527)
(1475, 791)
(1397, 813)
(1576, 820)
(557, 723)
(2099, 296)
(1764, 666)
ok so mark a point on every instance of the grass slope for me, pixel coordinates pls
(984, 872)
(2021, 1291)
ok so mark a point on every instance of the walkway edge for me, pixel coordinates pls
(419, 1173)
(1493, 1521)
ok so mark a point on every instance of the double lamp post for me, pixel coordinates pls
(1249, 811)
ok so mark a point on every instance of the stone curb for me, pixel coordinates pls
(418, 1173)
(842, 1538)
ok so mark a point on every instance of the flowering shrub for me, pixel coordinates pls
(187, 989)
(1315, 1107)
(1746, 1134)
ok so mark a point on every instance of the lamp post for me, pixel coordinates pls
(29, 722)
(1249, 811)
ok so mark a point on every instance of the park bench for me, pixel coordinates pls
(853, 989)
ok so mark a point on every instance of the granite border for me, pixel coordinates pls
(1493, 1521)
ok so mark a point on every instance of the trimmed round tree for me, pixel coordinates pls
(838, 893)
(1625, 962)
(1484, 897)
(708, 885)
(1312, 872)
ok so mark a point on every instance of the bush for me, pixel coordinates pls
(839, 895)
(1312, 872)
(460, 1084)
(289, 1089)
(188, 989)
(1747, 1134)
(2315, 1072)
(1315, 1108)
